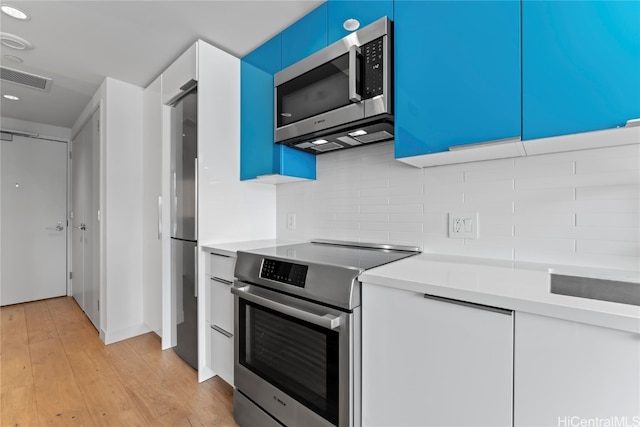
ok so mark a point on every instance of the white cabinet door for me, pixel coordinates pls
(426, 362)
(568, 373)
(152, 206)
(180, 72)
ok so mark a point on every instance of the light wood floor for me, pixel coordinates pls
(55, 371)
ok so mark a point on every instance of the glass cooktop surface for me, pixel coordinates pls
(342, 254)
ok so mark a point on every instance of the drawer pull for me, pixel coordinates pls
(470, 304)
(226, 282)
(222, 331)
(220, 255)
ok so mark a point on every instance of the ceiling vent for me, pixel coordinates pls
(25, 79)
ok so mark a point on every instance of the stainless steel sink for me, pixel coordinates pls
(600, 289)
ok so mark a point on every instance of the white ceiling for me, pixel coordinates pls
(79, 43)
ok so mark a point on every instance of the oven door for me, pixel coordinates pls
(295, 359)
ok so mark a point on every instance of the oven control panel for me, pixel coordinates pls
(284, 272)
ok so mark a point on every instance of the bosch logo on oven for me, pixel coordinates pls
(282, 402)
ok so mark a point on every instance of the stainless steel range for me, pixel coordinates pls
(297, 332)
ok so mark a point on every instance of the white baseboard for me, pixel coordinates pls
(122, 334)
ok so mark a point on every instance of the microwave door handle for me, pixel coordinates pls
(354, 69)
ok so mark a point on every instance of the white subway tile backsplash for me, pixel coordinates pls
(616, 220)
(391, 208)
(608, 192)
(608, 206)
(630, 249)
(580, 207)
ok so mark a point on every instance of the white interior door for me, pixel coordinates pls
(85, 205)
(33, 224)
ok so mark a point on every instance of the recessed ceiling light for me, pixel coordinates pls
(319, 141)
(11, 97)
(14, 12)
(13, 58)
(14, 42)
(351, 24)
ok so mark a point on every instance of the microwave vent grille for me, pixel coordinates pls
(348, 140)
(327, 147)
(374, 137)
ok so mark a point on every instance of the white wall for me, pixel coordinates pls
(122, 213)
(576, 208)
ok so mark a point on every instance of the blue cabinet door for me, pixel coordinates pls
(305, 36)
(457, 74)
(259, 155)
(256, 122)
(365, 11)
(581, 66)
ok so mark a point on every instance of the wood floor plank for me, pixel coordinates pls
(15, 358)
(19, 407)
(40, 325)
(107, 399)
(55, 371)
(142, 382)
(58, 396)
(67, 316)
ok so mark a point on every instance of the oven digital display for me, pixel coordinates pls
(284, 272)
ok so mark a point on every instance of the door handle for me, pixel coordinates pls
(58, 227)
(354, 70)
(81, 227)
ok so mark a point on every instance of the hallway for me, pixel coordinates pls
(55, 371)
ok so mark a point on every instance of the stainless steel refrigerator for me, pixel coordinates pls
(184, 224)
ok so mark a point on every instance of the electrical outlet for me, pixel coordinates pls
(291, 221)
(463, 225)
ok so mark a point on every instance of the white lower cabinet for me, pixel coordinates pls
(220, 276)
(434, 362)
(574, 374)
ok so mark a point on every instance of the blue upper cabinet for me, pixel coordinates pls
(256, 118)
(259, 155)
(305, 36)
(457, 74)
(267, 57)
(581, 66)
(365, 11)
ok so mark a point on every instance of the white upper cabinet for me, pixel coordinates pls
(180, 73)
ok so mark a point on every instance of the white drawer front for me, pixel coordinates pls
(222, 355)
(222, 267)
(221, 304)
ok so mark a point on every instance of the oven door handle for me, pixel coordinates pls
(327, 321)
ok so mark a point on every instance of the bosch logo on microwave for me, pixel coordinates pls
(317, 122)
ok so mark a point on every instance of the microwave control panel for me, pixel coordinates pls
(284, 272)
(373, 57)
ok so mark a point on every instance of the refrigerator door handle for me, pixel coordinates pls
(159, 217)
(195, 215)
(174, 204)
(195, 272)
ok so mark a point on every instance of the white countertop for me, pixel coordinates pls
(231, 248)
(519, 286)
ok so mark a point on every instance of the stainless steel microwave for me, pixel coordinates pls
(339, 97)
